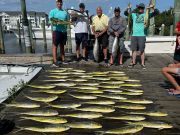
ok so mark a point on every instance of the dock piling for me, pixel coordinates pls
(2, 48)
(44, 35)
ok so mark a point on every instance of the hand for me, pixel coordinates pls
(116, 34)
(96, 35)
(129, 6)
(151, 6)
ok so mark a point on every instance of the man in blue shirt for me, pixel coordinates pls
(59, 31)
(139, 32)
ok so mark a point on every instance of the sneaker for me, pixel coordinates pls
(55, 64)
(143, 66)
(106, 61)
(65, 63)
(131, 65)
(78, 59)
(85, 59)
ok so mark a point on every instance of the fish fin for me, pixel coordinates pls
(19, 130)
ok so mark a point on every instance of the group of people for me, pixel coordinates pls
(103, 29)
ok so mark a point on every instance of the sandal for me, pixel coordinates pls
(131, 65)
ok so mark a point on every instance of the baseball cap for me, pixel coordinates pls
(141, 5)
(117, 9)
(81, 5)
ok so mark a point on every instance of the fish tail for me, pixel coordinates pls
(19, 130)
(99, 133)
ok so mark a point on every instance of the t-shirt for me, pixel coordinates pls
(138, 24)
(60, 15)
(82, 25)
(100, 23)
(177, 49)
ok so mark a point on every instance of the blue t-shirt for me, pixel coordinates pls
(138, 24)
(61, 15)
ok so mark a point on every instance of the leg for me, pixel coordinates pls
(134, 46)
(54, 51)
(56, 42)
(134, 55)
(78, 43)
(105, 52)
(105, 46)
(62, 52)
(121, 48)
(142, 58)
(167, 72)
(111, 41)
(142, 44)
(77, 51)
(121, 59)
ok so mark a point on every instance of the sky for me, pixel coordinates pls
(107, 5)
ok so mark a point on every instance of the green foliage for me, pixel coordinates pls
(166, 17)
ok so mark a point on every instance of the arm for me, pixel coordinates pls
(110, 30)
(177, 32)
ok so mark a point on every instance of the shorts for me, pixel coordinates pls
(103, 40)
(177, 57)
(138, 43)
(121, 43)
(81, 38)
(59, 38)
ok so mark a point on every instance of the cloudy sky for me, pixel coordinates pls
(47, 5)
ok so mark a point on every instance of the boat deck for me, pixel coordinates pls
(153, 84)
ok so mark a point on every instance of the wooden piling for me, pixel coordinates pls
(44, 35)
(31, 37)
(2, 48)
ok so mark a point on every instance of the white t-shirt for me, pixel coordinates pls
(82, 25)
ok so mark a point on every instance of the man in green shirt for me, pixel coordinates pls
(139, 32)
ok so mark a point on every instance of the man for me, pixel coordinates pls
(99, 29)
(139, 30)
(81, 32)
(117, 27)
(169, 72)
(177, 49)
(59, 31)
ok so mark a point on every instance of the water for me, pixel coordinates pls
(12, 46)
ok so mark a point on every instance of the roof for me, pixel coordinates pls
(14, 13)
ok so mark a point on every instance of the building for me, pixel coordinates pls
(10, 18)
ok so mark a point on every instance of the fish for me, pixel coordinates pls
(89, 84)
(86, 88)
(75, 13)
(77, 80)
(131, 93)
(84, 125)
(67, 73)
(85, 97)
(113, 82)
(153, 114)
(84, 115)
(130, 85)
(117, 75)
(112, 97)
(113, 91)
(99, 109)
(132, 107)
(45, 113)
(96, 50)
(101, 102)
(56, 71)
(48, 99)
(51, 120)
(115, 48)
(99, 73)
(124, 130)
(65, 84)
(123, 78)
(133, 90)
(23, 105)
(42, 87)
(55, 128)
(109, 87)
(65, 68)
(86, 76)
(90, 92)
(132, 80)
(128, 117)
(137, 101)
(58, 77)
(157, 125)
(59, 80)
(79, 71)
(51, 91)
(100, 78)
(65, 106)
(116, 72)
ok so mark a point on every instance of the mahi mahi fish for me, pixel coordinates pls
(99, 109)
(84, 125)
(41, 87)
(48, 99)
(137, 101)
(65, 106)
(112, 97)
(124, 130)
(101, 102)
(41, 113)
(128, 117)
(23, 105)
(51, 91)
(55, 128)
(87, 97)
(84, 115)
(96, 50)
(51, 120)
(153, 114)
(132, 107)
(147, 124)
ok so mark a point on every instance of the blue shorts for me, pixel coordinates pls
(178, 71)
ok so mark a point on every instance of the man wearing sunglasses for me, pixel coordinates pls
(59, 31)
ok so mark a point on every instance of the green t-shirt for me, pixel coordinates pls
(61, 15)
(138, 25)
